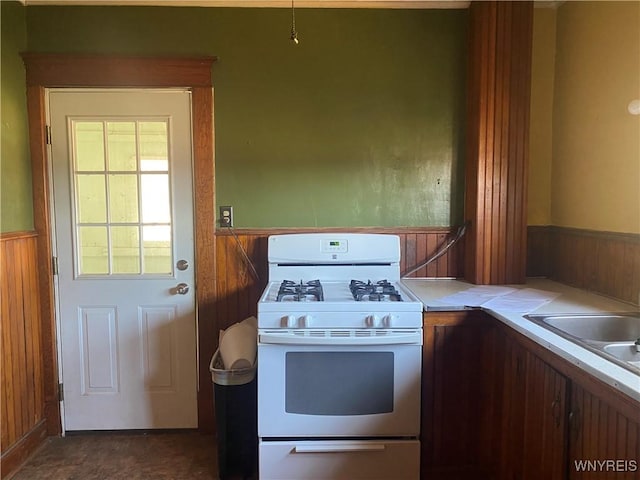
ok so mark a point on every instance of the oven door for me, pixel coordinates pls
(339, 384)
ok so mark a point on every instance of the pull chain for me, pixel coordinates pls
(294, 34)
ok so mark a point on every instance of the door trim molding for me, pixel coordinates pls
(105, 71)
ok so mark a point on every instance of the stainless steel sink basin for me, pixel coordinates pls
(600, 328)
(624, 351)
(610, 335)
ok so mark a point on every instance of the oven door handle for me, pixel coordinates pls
(413, 337)
(355, 447)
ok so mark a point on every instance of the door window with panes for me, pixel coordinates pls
(122, 193)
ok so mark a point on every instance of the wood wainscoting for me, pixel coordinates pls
(238, 290)
(602, 262)
(23, 415)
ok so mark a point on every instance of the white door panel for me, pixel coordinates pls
(122, 182)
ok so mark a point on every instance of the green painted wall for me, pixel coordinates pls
(361, 124)
(16, 206)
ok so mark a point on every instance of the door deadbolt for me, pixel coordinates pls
(182, 265)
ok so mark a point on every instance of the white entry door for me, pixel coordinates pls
(122, 187)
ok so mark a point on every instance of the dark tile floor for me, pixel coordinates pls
(106, 456)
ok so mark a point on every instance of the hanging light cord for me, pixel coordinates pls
(294, 34)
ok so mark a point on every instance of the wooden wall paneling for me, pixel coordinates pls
(472, 145)
(421, 246)
(221, 282)
(16, 350)
(538, 251)
(410, 250)
(449, 264)
(524, 106)
(495, 203)
(609, 255)
(8, 300)
(23, 423)
(238, 290)
(501, 133)
(630, 274)
(427, 242)
(603, 262)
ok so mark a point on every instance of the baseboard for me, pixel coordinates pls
(20, 451)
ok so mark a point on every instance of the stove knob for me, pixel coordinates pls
(387, 321)
(305, 321)
(371, 321)
(288, 321)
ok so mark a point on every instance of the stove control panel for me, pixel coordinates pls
(340, 320)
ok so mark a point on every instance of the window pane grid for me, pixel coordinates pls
(120, 241)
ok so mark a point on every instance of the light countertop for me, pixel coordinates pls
(569, 300)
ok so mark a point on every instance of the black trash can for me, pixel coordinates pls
(236, 407)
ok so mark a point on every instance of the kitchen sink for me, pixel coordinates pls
(624, 351)
(600, 328)
(610, 335)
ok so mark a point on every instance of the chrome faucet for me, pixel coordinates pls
(637, 344)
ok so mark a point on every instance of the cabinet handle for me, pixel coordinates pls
(555, 410)
(574, 421)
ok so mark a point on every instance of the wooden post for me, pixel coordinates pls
(500, 37)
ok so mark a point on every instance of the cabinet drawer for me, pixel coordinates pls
(340, 460)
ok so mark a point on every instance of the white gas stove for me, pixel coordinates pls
(339, 360)
(336, 281)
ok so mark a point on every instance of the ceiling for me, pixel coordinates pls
(265, 3)
(404, 4)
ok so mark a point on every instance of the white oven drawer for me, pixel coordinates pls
(340, 459)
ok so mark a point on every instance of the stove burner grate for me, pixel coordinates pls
(374, 292)
(300, 292)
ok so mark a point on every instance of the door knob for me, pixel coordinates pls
(181, 289)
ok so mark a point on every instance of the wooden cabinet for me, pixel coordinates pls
(545, 421)
(534, 412)
(604, 442)
(512, 401)
(460, 376)
(497, 405)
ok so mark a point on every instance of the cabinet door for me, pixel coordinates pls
(533, 424)
(545, 427)
(459, 378)
(603, 442)
(513, 407)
